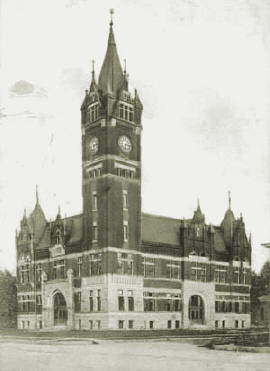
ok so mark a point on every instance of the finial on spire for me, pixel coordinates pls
(111, 13)
(59, 212)
(230, 200)
(93, 68)
(125, 66)
(24, 213)
(37, 197)
(198, 203)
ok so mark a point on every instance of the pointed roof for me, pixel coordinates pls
(37, 219)
(198, 216)
(229, 218)
(111, 74)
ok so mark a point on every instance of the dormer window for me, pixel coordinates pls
(126, 112)
(92, 97)
(93, 112)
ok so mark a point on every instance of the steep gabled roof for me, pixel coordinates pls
(111, 74)
(160, 229)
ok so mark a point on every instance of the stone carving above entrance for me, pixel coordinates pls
(57, 250)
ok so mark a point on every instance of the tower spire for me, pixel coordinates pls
(93, 70)
(125, 66)
(111, 74)
(229, 199)
(37, 196)
(111, 13)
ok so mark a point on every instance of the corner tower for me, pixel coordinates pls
(111, 157)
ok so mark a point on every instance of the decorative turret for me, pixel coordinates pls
(198, 217)
(37, 219)
(227, 224)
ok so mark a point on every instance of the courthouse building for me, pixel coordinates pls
(114, 267)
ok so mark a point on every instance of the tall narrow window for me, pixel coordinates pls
(94, 112)
(130, 300)
(236, 275)
(125, 231)
(121, 300)
(173, 270)
(125, 263)
(94, 232)
(91, 301)
(94, 201)
(95, 264)
(125, 200)
(58, 269)
(98, 301)
(38, 272)
(79, 266)
(149, 267)
(58, 237)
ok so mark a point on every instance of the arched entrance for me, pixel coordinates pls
(59, 310)
(196, 309)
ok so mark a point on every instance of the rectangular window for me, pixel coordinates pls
(79, 266)
(25, 273)
(121, 301)
(262, 314)
(130, 324)
(91, 301)
(77, 301)
(125, 263)
(98, 301)
(98, 324)
(38, 272)
(125, 231)
(223, 324)
(236, 307)
(243, 324)
(94, 112)
(125, 200)
(23, 325)
(198, 272)
(28, 324)
(94, 201)
(58, 269)
(236, 275)
(130, 303)
(236, 323)
(173, 270)
(151, 324)
(39, 303)
(221, 274)
(216, 324)
(149, 305)
(169, 324)
(120, 324)
(177, 324)
(90, 324)
(80, 324)
(149, 267)
(94, 232)
(95, 264)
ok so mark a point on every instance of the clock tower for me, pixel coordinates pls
(111, 158)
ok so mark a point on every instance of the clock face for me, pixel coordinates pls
(93, 145)
(125, 144)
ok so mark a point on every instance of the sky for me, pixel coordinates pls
(202, 70)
